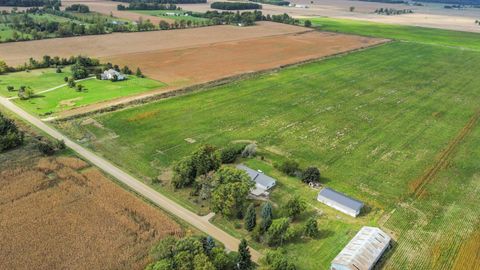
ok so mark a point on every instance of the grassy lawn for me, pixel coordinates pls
(371, 120)
(400, 32)
(95, 91)
(163, 14)
(37, 79)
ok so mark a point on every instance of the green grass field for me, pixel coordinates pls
(163, 14)
(37, 79)
(371, 120)
(95, 91)
(431, 36)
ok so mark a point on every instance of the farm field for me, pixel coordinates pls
(122, 43)
(62, 213)
(370, 121)
(66, 98)
(215, 61)
(163, 15)
(400, 32)
(37, 79)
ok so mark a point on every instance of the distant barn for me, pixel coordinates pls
(340, 202)
(363, 251)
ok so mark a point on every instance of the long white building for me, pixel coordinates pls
(363, 251)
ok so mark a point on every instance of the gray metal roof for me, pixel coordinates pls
(341, 198)
(257, 176)
(363, 251)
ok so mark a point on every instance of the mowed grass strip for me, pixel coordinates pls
(94, 91)
(432, 36)
(372, 120)
(38, 80)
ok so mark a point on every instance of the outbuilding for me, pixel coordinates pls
(340, 201)
(263, 182)
(363, 251)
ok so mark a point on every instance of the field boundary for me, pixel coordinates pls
(152, 97)
(417, 186)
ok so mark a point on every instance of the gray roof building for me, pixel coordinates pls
(363, 251)
(262, 181)
(340, 201)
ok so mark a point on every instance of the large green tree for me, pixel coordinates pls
(295, 206)
(10, 135)
(267, 216)
(231, 188)
(244, 261)
(277, 234)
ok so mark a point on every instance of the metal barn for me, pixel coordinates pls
(340, 201)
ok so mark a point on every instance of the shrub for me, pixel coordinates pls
(10, 88)
(308, 23)
(289, 167)
(10, 135)
(250, 150)
(230, 153)
(311, 174)
(46, 148)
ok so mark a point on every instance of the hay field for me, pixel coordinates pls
(60, 213)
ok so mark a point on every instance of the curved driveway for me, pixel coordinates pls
(201, 223)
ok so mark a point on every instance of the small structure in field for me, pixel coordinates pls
(363, 251)
(112, 74)
(340, 201)
(263, 182)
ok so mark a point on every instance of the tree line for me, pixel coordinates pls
(80, 8)
(273, 2)
(235, 5)
(393, 11)
(30, 3)
(163, 1)
(147, 6)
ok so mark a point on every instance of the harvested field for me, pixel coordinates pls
(123, 43)
(60, 213)
(216, 61)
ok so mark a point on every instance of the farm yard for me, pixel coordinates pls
(94, 90)
(60, 212)
(370, 121)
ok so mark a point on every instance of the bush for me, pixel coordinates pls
(311, 175)
(289, 167)
(46, 148)
(230, 153)
(10, 135)
(308, 23)
(250, 150)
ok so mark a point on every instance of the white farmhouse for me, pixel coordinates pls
(363, 251)
(263, 182)
(340, 201)
(110, 74)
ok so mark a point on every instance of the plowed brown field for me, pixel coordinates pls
(215, 61)
(60, 213)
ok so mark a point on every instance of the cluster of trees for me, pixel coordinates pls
(393, 11)
(225, 17)
(282, 18)
(292, 168)
(273, 2)
(198, 253)
(147, 6)
(30, 3)
(49, 148)
(235, 5)
(10, 135)
(163, 1)
(182, 24)
(80, 8)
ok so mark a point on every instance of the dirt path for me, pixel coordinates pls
(136, 185)
(417, 187)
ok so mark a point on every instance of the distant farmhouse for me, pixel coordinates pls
(110, 75)
(263, 182)
(340, 202)
(363, 251)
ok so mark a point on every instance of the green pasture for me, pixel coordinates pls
(38, 80)
(431, 36)
(94, 91)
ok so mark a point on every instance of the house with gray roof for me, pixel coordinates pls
(340, 201)
(363, 251)
(263, 182)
